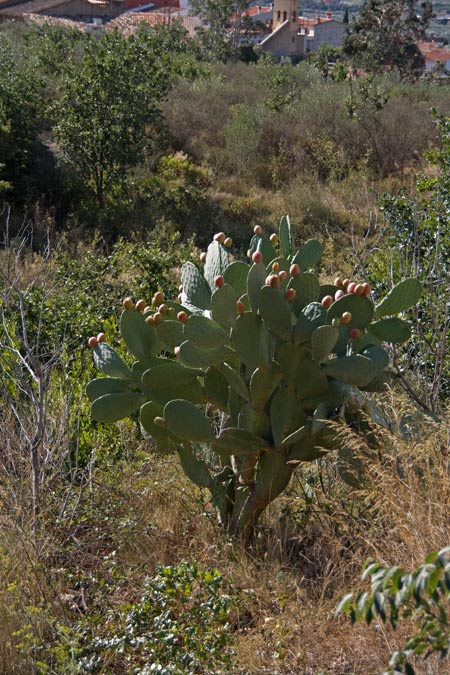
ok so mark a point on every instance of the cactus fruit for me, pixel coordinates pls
(264, 355)
(128, 303)
(219, 281)
(228, 242)
(257, 257)
(274, 239)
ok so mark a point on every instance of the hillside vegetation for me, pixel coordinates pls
(119, 160)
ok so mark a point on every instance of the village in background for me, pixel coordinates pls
(282, 28)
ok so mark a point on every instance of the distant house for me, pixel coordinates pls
(436, 56)
(78, 10)
(289, 34)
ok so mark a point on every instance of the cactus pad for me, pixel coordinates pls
(276, 312)
(250, 340)
(109, 362)
(114, 407)
(286, 235)
(186, 422)
(140, 338)
(391, 330)
(403, 296)
(196, 290)
(235, 276)
(309, 254)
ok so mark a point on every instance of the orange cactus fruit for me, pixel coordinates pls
(163, 309)
(336, 322)
(150, 320)
(345, 284)
(92, 342)
(276, 266)
(140, 305)
(101, 337)
(274, 238)
(159, 422)
(283, 275)
(338, 281)
(294, 270)
(257, 229)
(366, 289)
(359, 290)
(228, 242)
(346, 318)
(182, 317)
(240, 308)
(158, 299)
(128, 303)
(351, 287)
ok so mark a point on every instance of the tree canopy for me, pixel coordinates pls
(385, 36)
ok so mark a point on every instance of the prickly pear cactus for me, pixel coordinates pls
(252, 361)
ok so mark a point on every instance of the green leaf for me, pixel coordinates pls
(236, 276)
(107, 385)
(286, 235)
(109, 362)
(140, 338)
(255, 281)
(186, 422)
(391, 330)
(276, 312)
(403, 296)
(114, 407)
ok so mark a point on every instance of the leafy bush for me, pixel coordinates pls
(180, 625)
(396, 595)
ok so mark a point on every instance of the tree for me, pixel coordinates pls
(385, 36)
(225, 21)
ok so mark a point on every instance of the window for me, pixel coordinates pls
(279, 15)
(284, 16)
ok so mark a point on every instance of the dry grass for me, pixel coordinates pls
(308, 553)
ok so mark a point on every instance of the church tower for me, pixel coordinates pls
(285, 10)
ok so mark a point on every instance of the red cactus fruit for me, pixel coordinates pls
(257, 257)
(346, 318)
(220, 237)
(354, 333)
(257, 229)
(92, 342)
(351, 287)
(290, 294)
(101, 337)
(339, 294)
(366, 289)
(283, 275)
(294, 270)
(274, 281)
(240, 308)
(219, 281)
(183, 317)
(327, 301)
